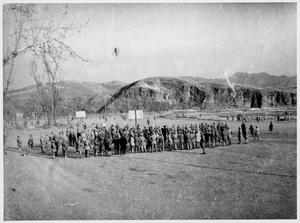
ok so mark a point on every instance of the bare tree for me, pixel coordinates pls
(42, 88)
(44, 36)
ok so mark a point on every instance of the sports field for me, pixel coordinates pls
(248, 181)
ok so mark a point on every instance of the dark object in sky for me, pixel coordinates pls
(116, 51)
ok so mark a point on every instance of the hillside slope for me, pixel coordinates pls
(163, 93)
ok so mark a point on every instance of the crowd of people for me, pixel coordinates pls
(114, 140)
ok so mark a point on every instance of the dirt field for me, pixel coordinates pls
(249, 181)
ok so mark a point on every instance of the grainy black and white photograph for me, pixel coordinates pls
(149, 111)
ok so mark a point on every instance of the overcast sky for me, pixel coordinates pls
(195, 39)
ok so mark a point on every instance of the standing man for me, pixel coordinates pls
(244, 132)
(239, 135)
(59, 143)
(271, 127)
(64, 144)
(78, 146)
(187, 139)
(42, 141)
(175, 138)
(116, 139)
(19, 143)
(30, 144)
(123, 144)
(53, 145)
(142, 142)
(96, 144)
(256, 133)
(153, 138)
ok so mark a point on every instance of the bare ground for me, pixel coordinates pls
(249, 181)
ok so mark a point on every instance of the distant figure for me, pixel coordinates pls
(19, 143)
(116, 51)
(256, 133)
(239, 135)
(244, 132)
(30, 144)
(271, 127)
(42, 141)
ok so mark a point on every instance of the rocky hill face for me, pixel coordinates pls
(163, 93)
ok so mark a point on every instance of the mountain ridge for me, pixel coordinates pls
(164, 93)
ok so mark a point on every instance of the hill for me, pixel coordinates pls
(264, 80)
(73, 96)
(164, 93)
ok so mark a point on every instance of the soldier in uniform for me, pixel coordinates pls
(87, 147)
(47, 143)
(169, 140)
(110, 145)
(212, 136)
(131, 141)
(59, 142)
(244, 131)
(229, 135)
(160, 142)
(239, 135)
(19, 143)
(142, 142)
(137, 142)
(181, 139)
(202, 142)
(64, 144)
(102, 143)
(70, 138)
(123, 144)
(42, 141)
(251, 129)
(30, 144)
(192, 140)
(55, 139)
(116, 140)
(78, 146)
(175, 138)
(256, 133)
(225, 133)
(187, 139)
(271, 127)
(197, 139)
(53, 145)
(153, 138)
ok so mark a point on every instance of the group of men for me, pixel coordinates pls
(119, 141)
(115, 140)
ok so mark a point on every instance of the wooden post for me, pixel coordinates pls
(135, 118)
